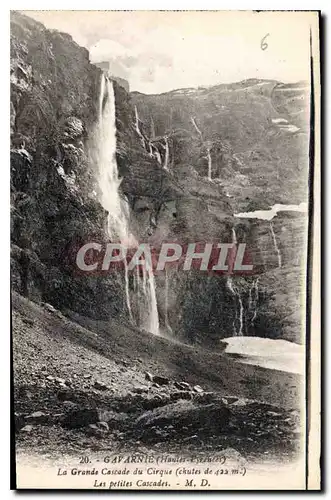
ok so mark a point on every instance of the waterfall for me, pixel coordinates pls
(208, 147)
(147, 300)
(239, 315)
(153, 314)
(253, 299)
(196, 127)
(118, 211)
(276, 245)
(157, 155)
(149, 146)
(166, 305)
(137, 127)
(150, 149)
(152, 128)
(209, 163)
(117, 208)
(166, 156)
(108, 175)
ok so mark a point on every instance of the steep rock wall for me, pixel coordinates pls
(164, 170)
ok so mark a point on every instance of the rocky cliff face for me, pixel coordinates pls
(54, 98)
(251, 135)
(189, 160)
(238, 148)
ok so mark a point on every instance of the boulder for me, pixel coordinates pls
(187, 418)
(74, 128)
(176, 396)
(38, 417)
(183, 386)
(149, 377)
(198, 389)
(140, 390)
(27, 428)
(100, 386)
(81, 417)
(50, 308)
(160, 380)
(98, 429)
(19, 421)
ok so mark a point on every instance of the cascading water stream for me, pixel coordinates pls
(152, 128)
(166, 305)
(137, 127)
(239, 315)
(253, 299)
(150, 149)
(208, 147)
(209, 163)
(166, 156)
(108, 175)
(153, 314)
(117, 208)
(196, 127)
(279, 255)
(147, 145)
(147, 300)
(146, 290)
(157, 155)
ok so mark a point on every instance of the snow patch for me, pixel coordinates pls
(279, 120)
(270, 214)
(268, 353)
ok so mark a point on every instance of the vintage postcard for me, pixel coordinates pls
(165, 233)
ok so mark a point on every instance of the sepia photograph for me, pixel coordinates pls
(164, 191)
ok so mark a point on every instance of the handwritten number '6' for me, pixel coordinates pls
(264, 44)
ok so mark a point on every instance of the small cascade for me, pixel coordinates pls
(148, 301)
(166, 306)
(196, 127)
(208, 148)
(276, 245)
(239, 314)
(166, 155)
(153, 314)
(152, 128)
(150, 149)
(253, 299)
(157, 155)
(148, 145)
(209, 163)
(137, 127)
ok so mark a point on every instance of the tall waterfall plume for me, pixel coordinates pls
(109, 180)
(117, 207)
